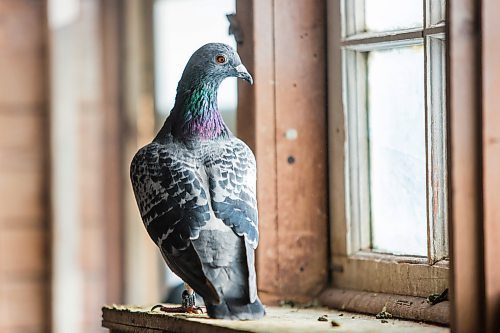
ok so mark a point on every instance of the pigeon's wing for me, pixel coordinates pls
(174, 206)
(232, 184)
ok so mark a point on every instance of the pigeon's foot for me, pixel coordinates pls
(188, 304)
(195, 309)
(179, 309)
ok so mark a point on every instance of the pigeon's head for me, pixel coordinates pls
(211, 64)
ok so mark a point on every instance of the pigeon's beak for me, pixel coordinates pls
(242, 73)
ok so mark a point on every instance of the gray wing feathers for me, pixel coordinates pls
(233, 198)
(187, 265)
(223, 258)
(232, 190)
(178, 194)
(168, 191)
(173, 206)
(252, 279)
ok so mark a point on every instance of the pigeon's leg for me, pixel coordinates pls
(189, 300)
(188, 303)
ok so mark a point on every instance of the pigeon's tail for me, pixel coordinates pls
(236, 310)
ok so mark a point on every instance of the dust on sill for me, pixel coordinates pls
(120, 318)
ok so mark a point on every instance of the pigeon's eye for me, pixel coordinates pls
(220, 59)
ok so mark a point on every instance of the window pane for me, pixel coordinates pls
(396, 124)
(384, 15)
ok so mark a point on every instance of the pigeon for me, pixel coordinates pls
(195, 186)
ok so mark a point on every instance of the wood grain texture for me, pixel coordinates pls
(405, 307)
(383, 275)
(337, 135)
(491, 155)
(300, 68)
(284, 48)
(464, 82)
(278, 319)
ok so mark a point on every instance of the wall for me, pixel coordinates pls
(24, 235)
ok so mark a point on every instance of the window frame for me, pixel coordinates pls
(353, 268)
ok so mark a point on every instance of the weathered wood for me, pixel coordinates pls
(24, 263)
(280, 36)
(113, 154)
(301, 149)
(491, 163)
(337, 134)
(405, 307)
(463, 91)
(389, 274)
(286, 319)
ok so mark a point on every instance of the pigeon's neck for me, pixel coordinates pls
(196, 113)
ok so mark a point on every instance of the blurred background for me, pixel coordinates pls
(83, 84)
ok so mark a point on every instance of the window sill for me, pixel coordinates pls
(405, 307)
(120, 318)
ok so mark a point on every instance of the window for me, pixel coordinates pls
(390, 130)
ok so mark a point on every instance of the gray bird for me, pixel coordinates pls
(195, 188)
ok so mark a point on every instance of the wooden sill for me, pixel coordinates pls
(404, 307)
(278, 319)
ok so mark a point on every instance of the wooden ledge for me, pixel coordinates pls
(278, 319)
(405, 307)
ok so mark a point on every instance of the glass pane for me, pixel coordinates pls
(386, 15)
(396, 124)
(180, 28)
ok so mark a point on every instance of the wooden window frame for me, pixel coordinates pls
(352, 268)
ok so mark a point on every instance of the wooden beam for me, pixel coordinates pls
(141, 255)
(301, 148)
(111, 16)
(283, 119)
(399, 306)
(491, 162)
(464, 84)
